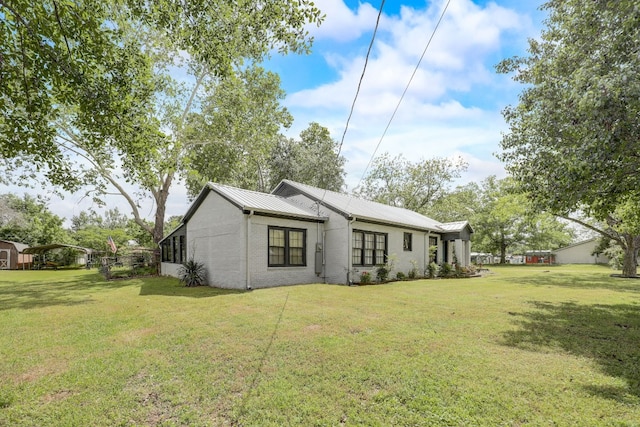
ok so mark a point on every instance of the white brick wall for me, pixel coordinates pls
(263, 276)
(216, 235)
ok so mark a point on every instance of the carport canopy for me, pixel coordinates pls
(45, 248)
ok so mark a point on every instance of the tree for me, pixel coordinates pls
(91, 230)
(504, 220)
(573, 138)
(88, 96)
(312, 160)
(28, 220)
(230, 139)
(415, 186)
(458, 205)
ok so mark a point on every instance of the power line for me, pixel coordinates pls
(404, 92)
(366, 61)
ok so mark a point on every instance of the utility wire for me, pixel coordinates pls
(415, 70)
(353, 104)
(364, 69)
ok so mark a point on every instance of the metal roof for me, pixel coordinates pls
(264, 203)
(454, 226)
(19, 246)
(363, 209)
(44, 248)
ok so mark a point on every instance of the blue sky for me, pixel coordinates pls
(452, 108)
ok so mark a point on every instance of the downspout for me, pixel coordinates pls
(248, 252)
(427, 249)
(349, 250)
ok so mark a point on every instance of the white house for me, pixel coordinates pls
(303, 234)
(580, 253)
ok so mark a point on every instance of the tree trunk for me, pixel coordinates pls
(630, 265)
(503, 253)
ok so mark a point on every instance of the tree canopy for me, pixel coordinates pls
(416, 186)
(28, 220)
(312, 159)
(573, 137)
(87, 95)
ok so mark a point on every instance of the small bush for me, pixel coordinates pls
(432, 270)
(445, 270)
(382, 273)
(192, 273)
(400, 275)
(365, 277)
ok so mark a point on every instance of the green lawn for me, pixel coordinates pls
(520, 346)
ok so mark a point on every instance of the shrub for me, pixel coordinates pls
(192, 273)
(365, 277)
(413, 273)
(445, 270)
(382, 273)
(432, 270)
(400, 275)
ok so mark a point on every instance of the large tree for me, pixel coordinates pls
(573, 140)
(313, 159)
(87, 94)
(505, 220)
(28, 220)
(230, 138)
(416, 186)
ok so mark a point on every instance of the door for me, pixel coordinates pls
(5, 258)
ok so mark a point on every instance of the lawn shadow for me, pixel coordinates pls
(172, 289)
(579, 281)
(607, 334)
(54, 290)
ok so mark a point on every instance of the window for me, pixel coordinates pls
(165, 251)
(433, 249)
(176, 248)
(287, 247)
(183, 250)
(406, 242)
(356, 258)
(369, 248)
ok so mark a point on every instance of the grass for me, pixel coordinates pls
(519, 346)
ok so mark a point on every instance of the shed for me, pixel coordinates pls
(580, 253)
(12, 256)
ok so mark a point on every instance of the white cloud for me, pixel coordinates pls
(450, 106)
(343, 24)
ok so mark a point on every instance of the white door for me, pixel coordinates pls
(5, 257)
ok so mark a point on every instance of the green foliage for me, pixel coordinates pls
(91, 230)
(413, 273)
(313, 159)
(504, 220)
(400, 275)
(446, 270)
(432, 270)
(573, 137)
(365, 277)
(192, 273)
(415, 186)
(237, 128)
(88, 97)
(28, 220)
(382, 273)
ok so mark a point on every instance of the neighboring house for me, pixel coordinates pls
(483, 258)
(540, 257)
(12, 257)
(580, 253)
(302, 234)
